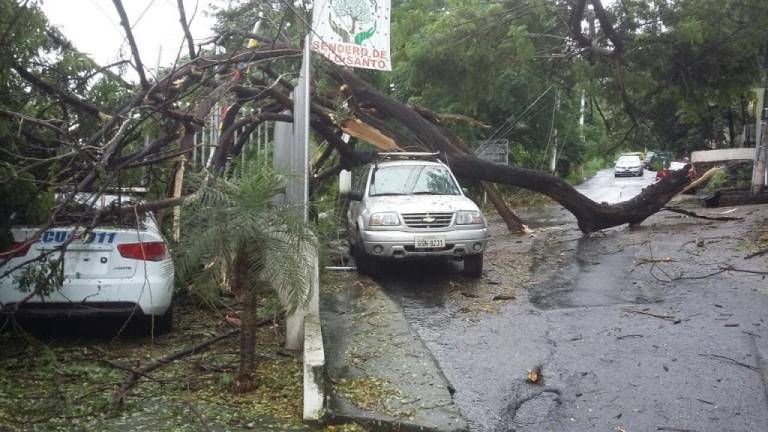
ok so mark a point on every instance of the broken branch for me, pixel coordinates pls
(134, 48)
(698, 216)
(136, 374)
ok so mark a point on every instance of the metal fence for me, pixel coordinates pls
(206, 141)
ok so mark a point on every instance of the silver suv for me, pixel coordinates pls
(413, 208)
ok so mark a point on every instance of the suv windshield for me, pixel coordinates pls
(412, 179)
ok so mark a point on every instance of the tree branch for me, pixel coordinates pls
(134, 49)
(53, 91)
(185, 27)
(136, 374)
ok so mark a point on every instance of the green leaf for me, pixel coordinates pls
(363, 36)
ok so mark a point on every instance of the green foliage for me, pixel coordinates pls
(684, 65)
(717, 181)
(66, 384)
(42, 277)
(23, 202)
(33, 159)
(488, 61)
(237, 215)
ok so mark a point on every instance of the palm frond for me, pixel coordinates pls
(236, 214)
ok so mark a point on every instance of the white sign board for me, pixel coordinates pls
(496, 151)
(352, 33)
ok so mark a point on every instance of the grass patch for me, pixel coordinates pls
(66, 382)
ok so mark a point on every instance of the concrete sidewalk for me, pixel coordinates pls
(380, 373)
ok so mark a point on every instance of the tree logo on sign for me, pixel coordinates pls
(353, 20)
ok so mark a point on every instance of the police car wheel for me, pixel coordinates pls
(159, 324)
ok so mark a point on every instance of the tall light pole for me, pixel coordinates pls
(761, 145)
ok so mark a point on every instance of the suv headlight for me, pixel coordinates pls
(469, 217)
(384, 219)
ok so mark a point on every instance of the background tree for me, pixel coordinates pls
(671, 72)
(512, 58)
(233, 226)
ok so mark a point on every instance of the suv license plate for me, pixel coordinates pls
(429, 242)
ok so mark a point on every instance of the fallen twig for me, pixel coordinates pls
(672, 429)
(756, 254)
(729, 360)
(664, 317)
(197, 413)
(642, 261)
(127, 369)
(699, 277)
(136, 374)
(736, 269)
(698, 216)
(723, 269)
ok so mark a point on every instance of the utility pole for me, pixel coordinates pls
(761, 143)
(553, 153)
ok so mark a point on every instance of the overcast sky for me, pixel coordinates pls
(94, 27)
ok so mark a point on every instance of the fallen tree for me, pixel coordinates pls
(377, 109)
(182, 99)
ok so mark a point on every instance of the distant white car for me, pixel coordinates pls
(628, 165)
(113, 271)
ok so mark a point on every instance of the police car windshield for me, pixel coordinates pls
(412, 180)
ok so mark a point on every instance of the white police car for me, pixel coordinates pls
(115, 270)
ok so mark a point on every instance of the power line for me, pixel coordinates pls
(151, 2)
(507, 126)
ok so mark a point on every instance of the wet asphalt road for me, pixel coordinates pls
(604, 187)
(625, 343)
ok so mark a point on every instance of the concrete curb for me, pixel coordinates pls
(371, 339)
(314, 370)
(342, 412)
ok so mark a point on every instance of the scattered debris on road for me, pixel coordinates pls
(534, 375)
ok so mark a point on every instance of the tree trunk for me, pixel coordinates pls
(514, 223)
(428, 136)
(745, 122)
(248, 318)
(731, 129)
(590, 215)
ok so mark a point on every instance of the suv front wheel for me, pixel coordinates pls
(473, 265)
(366, 264)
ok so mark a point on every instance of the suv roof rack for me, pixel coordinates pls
(409, 155)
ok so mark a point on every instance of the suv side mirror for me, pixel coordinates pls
(354, 196)
(465, 190)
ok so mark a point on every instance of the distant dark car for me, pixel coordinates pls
(659, 161)
(648, 158)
